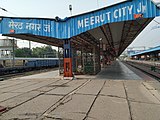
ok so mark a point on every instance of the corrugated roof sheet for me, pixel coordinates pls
(147, 51)
(69, 27)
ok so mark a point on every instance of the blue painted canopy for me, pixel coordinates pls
(147, 51)
(69, 27)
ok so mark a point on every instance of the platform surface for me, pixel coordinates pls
(102, 97)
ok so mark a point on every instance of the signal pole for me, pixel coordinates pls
(70, 8)
(13, 54)
(29, 44)
(97, 3)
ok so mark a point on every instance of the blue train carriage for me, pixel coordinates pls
(29, 62)
(26, 64)
(42, 62)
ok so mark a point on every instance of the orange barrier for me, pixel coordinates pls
(68, 67)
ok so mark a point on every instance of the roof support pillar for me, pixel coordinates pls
(96, 59)
(68, 73)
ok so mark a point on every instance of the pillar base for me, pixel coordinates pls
(68, 78)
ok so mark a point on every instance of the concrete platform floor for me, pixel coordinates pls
(47, 97)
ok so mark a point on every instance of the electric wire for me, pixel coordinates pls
(5, 10)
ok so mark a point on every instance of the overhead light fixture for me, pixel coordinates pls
(100, 39)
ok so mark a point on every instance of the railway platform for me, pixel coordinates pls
(118, 92)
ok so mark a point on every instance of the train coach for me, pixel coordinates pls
(26, 64)
(42, 62)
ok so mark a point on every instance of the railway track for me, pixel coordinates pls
(61, 101)
(54, 106)
(146, 70)
(34, 96)
(25, 73)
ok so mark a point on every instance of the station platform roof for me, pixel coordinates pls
(155, 49)
(116, 26)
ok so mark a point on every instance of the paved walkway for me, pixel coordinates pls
(48, 98)
(118, 71)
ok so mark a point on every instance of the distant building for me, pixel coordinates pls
(133, 50)
(6, 47)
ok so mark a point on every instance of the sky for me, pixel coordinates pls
(51, 8)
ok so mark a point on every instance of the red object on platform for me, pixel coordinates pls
(68, 67)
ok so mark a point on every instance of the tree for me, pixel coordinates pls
(45, 51)
(23, 52)
(38, 52)
(49, 52)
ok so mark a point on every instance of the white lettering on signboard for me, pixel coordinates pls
(97, 20)
(124, 11)
(130, 8)
(80, 23)
(143, 8)
(115, 13)
(15, 25)
(139, 9)
(86, 22)
(92, 20)
(120, 13)
(104, 17)
(29, 26)
(108, 15)
(47, 28)
(33, 26)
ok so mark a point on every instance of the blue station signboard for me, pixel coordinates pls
(72, 26)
